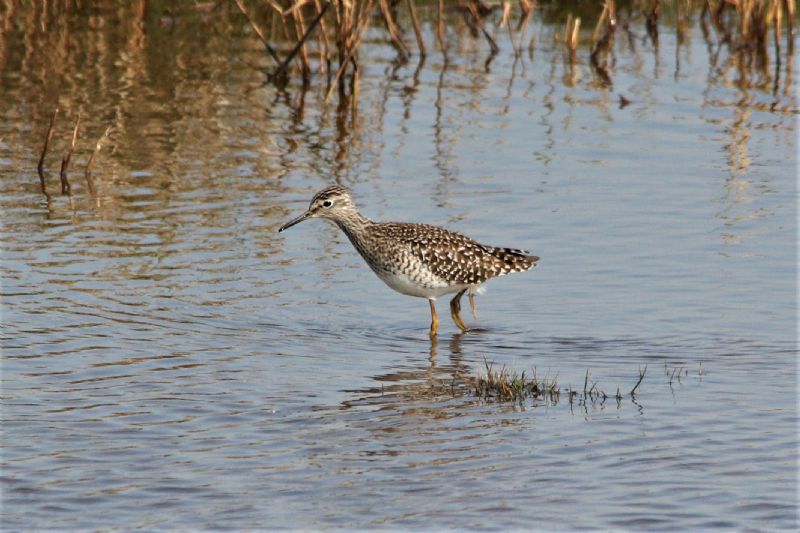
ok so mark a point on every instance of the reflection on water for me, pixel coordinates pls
(171, 362)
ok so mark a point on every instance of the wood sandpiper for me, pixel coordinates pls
(417, 259)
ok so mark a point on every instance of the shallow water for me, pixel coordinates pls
(170, 361)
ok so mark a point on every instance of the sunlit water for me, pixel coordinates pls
(170, 361)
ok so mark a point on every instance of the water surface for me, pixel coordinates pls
(170, 361)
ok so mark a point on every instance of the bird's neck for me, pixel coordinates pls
(354, 226)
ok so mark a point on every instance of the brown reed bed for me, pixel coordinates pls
(324, 37)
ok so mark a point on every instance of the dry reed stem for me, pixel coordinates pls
(651, 22)
(341, 14)
(300, 31)
(90, 164)
(258, 31)
(394, 32)
(324, 54)
(602, 42)
(65, 187)
(354, 42)
(571, 33)
(280, 71)
(524, 21)
(506, 13)
(507, 23)
(716, 18)
(777, 13)
(417, 30)
(440, 29)
(606, 21)
(299, 4)
(275, 6)
(345, 15)
(355, 93)
(289, 36)
(47, 139)
(479, 23)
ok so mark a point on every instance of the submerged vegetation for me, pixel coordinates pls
(506, 385)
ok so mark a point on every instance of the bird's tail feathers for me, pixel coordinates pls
(517, 260)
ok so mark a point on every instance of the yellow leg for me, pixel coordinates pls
(434, 319)
(472, 301)
(455, 308)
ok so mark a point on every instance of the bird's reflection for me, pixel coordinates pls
(435, 380)
(456, 356)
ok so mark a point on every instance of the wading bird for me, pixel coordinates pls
(417, 259)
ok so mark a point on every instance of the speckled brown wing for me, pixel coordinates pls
(454, 257)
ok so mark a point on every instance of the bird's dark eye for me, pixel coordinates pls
(327, 203)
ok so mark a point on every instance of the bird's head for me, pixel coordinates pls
(332, 203)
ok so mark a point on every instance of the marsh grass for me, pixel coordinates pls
(507, 385)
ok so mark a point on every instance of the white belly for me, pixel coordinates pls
(405, 285)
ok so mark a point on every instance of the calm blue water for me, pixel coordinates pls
(171, 362)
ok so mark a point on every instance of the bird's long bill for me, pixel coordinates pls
(295, 221)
